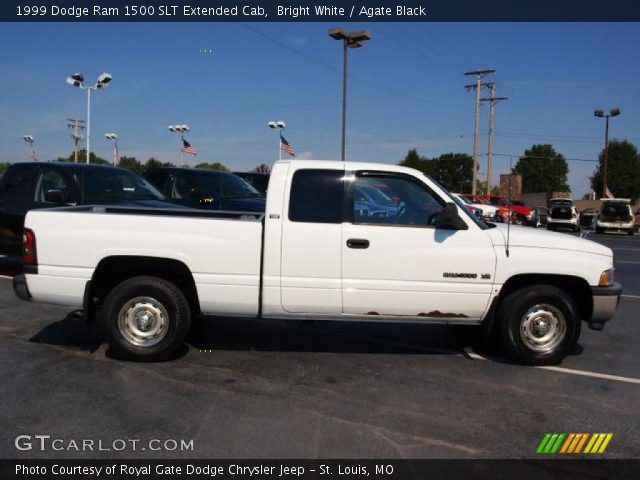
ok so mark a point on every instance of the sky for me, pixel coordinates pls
(405, 90)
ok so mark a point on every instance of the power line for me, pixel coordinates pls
(329, 67)
(457, 52)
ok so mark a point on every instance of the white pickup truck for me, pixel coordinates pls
(413, 253)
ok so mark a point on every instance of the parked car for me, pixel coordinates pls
(258, 180)
(375, 201)
(503, 213)
(488, 212)
(563, 214)
(522, 214)
(206, 189)
(540, 217)
(615, 214)
(28, 186)
(588, 217)
(309, 258)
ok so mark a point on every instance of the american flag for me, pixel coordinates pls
(608, 193)
(285, 147)
(187, 148)
(116, 156)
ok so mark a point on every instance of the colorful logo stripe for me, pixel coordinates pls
(573, 443)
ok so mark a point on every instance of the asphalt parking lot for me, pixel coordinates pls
(261, 389)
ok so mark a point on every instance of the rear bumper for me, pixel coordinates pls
(605, 304)
(20, 288)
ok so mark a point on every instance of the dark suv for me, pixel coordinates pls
(208, 189)
(27, 186)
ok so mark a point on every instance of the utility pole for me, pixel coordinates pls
(479, 74)
(493, 99)
(77, 126)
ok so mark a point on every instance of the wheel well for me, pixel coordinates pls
(112, 271)
(577, 288)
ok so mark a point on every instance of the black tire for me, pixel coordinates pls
(599, 230)
(150, 297)
(630, 232)
(551, 227)
(519, 341)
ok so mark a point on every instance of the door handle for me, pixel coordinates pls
(360, 243)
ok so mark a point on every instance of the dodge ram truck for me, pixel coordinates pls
(314, 254)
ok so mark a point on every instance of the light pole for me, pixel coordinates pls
(349, 40)
(277, 126)
(77, 80)
(181, 129)
(600, 113)
(116, 154)
(29, 139)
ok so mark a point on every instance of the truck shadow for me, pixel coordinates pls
(223, 333)
(72, 331)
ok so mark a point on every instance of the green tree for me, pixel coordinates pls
(481, 187)
(262, 168)
(454, 171)
(155, 163)
(413, 160)
(543, 170)
(3, 168)
(131, 163)
(623, 177)
(213, 166)
(82, 158)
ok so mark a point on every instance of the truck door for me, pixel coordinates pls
(311, 235)
(395, 263)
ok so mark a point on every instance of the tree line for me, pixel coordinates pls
(542, 168)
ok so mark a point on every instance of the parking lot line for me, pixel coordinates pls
(625, 261)
(582, 373)
(630, 296)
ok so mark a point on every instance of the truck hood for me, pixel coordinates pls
(520, 236)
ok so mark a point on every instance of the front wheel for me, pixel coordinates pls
(538, 325)
(147, 319)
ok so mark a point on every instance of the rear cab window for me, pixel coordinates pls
(317, 196)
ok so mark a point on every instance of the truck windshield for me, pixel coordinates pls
(99, 185)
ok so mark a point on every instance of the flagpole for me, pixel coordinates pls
(181, 151)
(279, 146)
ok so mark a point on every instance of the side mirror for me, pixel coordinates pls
(449, 218)
(54, 196)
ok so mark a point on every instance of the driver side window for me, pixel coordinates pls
(393, 200)
(46, 181)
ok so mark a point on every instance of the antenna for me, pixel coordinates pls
(509, 214)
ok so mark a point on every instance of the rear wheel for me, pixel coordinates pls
(599, 230)
(147, 319)
(630, 232)
(538, 325)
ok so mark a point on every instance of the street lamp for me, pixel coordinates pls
(600, 113)
(116, 154)
(277, 126)
(77, 80)
(181, 129)
(349, 40)
(29, 139)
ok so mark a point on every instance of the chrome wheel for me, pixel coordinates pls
(543, 328)
(143, 321)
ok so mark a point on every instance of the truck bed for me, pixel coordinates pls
(221, 249)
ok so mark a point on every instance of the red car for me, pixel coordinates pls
(502, 211)
(523, 213)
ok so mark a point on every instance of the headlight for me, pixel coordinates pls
(606, 278)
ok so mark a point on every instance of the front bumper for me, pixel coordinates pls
(20, 287)
(618, 226)
(605, 304)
